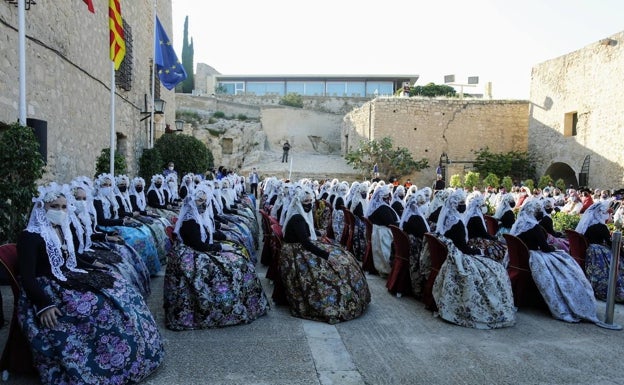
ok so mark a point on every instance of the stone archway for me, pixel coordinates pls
(560, 170)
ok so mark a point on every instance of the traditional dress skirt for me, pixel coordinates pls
(332, 290)
(416, 277)
(157, 226)
(211, 289)
(491, 248)
(381, 244)
(337, 224)
(597, 264)
(140, 238)
(473, 291)
(127, 262)
(105, 336)
(240, 234)
(359, 239)
(562, 283)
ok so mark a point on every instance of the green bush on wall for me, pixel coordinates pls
(102, 163)
(150, 164)
(188, 153)
(563, 221)
(21, 167)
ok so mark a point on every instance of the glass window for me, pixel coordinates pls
(314, 89)
(336, 88)
(379, 88)
(356, 89)
(264, 88)
(295, 88)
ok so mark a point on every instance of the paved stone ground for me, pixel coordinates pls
(397, 341)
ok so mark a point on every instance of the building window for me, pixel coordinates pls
(231, 88)
(227, 146)
(123, 76)
(570, 122)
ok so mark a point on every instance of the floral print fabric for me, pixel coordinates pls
(597, 264)
(211, 289)
(332, 290)
(473, 291)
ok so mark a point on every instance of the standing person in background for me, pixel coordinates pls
(253, 182)
(285, 148)
(169, 170)
(439, 183)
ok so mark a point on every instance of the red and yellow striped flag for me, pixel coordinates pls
(117, 41)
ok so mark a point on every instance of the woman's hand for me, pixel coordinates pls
(49, 317)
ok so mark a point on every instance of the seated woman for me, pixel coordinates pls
(505, 215)
(208, 284)
(158, 199)
(359, 205)
(138, 236)
(560, 280)
(434, 208)
(381, 216)
(415, 225)
(92, 245)
(398, 200)
(322, 281)
(468, 280)
(478, 236)
(555, 238)
(337, 213)
(186, 186)
(84, 326)
(598, 257)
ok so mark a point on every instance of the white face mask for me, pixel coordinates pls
(80, 206)
(484, 209)
(56, 217)
(171, 168)
(106, 191)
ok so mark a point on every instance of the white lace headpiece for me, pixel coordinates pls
(598, 212)
(141, 202)
(108, 201)
(526, 217)
(449, 215)
(296, 207)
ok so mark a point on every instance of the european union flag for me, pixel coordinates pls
(170, 70)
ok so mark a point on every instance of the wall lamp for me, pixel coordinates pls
(159, 108)
(179, 125)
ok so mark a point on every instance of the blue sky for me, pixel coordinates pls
(497, 40)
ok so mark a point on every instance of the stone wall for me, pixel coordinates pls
(586, 82)
(429, 127)
(68, 72)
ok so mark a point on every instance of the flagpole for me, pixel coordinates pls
(21, 16)
(112, 121)
(151, 138)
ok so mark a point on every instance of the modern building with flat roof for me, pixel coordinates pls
(310, 85)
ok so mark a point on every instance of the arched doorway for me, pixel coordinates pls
(560, 170)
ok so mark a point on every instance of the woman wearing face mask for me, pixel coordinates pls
(65, 308)
(505, 215)
(415, 225)
(559, 278)
(210, 282)
(187, 186)
(322, 281)
(138, 236)
(99, 248)
(598, 258)
(381, 216)
(158, 198)
(468, 280)
(478, 236)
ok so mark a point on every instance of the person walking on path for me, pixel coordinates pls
(253, 182)
(285, 148)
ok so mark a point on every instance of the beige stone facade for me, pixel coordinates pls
(68, 78)
(430, 127)
(576, 114)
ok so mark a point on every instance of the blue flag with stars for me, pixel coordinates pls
(170, 70)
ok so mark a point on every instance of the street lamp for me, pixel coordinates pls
(179, 123)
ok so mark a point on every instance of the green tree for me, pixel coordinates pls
(491, 180)
(391, 162)
(529, 183)
(150, 164)
(102, 163)
(432, 90)
(560, 184)
(544, 181)
(518, 165)
(21, 167)
(188, 153)
(507, 183)
(455, 181)
(471, 179)
(188, 53)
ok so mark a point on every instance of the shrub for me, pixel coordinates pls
(491, 180)
(560, 184)
(455, 181)
(292, 100)
(471, 179)
(188, 116)
(544, 181)
(21, 167)
(188, 153)
(242, 117)
(219, 115)
(150, 164)
(563, 221)
(507, 183)
(530, 184)
(102, 163)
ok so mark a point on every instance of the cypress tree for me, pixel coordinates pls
(187, 60)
